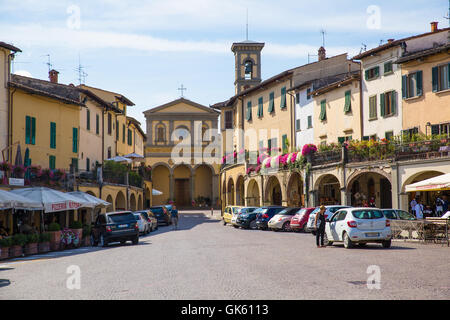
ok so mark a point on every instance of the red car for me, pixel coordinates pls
(298, 222)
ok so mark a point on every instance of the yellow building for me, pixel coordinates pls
(45, 118)
(184, 169)
(7, 52)
(426, 91)
(337, 110)
(135, 137)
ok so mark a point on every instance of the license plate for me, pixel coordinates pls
(123, 226)
(372, 234)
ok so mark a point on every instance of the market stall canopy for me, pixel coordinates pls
(52, 200)
(156, 192)
(438, 183)
(92, 201)
(9, 200)
(134, 156)
(120, 159)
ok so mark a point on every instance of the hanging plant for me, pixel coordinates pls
(308, 149)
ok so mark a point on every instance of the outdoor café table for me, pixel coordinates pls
(436, 229)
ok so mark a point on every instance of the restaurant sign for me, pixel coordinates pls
(16, 182)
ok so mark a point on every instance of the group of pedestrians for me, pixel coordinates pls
(421, 211)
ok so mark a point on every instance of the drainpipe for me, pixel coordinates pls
(292, 117)
(361, 101)
(10, 123)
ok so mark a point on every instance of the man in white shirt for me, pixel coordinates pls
(413, 204)
(419, 210)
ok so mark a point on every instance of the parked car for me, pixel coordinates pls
(282, 220)
(263, 217)
(358, 226)
(118, 226)
(241, 211)
(247, 220)
(151, 219)
(394, 214)
(328, 212)
(300, 219)
(162, 215)
(144, 228)
(229, 212)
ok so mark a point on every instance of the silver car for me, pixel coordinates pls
(143, 224)
(282, 220)
(329, 210)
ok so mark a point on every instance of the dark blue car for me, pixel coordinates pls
(265, 214)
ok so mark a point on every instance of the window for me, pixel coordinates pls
(97, 124)
(109, 124)
(88, 119)
(297, 124)
(130, 137)
(228, 119)
(248, 70)
(309, 122)
(271, 102)
(368, 214)
(160, 134)
(441, 78)
(388, 103)
(348, 101)
(30, 130)
(272, 145)
(109, 153)
(88, 164)
(52, 135)
(75, 164)
(261, 146)
(117, 130)
(297, 98)
(372, 107)
(308, 94)
(389, 135)
(408, 133)
(323, 110)
(75, 140)
(285, 142)
(372, 73)
(412, 85)
(341, 140)
(205, 134)
(260, 107)
(249, 111)
(388, 67)
(283, 98)
(51, 162)
(123, 133)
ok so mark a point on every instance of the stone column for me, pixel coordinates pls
(192, 189)
(396, 190)
(171, 186)
(215, 189)
(149, 132)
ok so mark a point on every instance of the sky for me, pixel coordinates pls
(145, 50)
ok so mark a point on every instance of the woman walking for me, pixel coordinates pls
(320, 233)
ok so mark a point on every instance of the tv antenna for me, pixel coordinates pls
(246, 29)
(48, 63)
(81, 73)
(448, 14)
(363, 48)
(323, 32)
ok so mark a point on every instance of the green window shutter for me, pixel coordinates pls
(260, 107)
(283, 98)
(75, 164)
(323, 110)
(97, 124)
(269, 146)
(434, 78)
(341, 140)
(404, 87)
(88, 119)
(382, 105)
(366, 74)
(419, 85)
(117, 130)
(28, 130)
(394, 102)
(52, 135)
(75, 140)
(249, 111)
(33, 130)
(123, 133)
(377, 71)
(271, 102)
(309, 122)
(347, 107)
(51, 162)
(366, 138)
(448, 75)
(284, 144)
(130, 137)
(388, 67)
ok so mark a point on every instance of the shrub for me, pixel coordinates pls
(76, 225)
(54, 226)
(32, 238)
(44, 237)
(19, 239)
(6, 242)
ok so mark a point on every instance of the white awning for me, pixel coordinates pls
(9, 200)
(120, 159)
(156, 192)
(438, 183)
(92, 202)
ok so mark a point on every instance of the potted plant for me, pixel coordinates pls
(54, 230)
(31, 246)
(5, 244)
(87, 235)
(44, 242)
(77, 228)
(18, 241)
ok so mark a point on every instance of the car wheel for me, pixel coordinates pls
(136, 240)
(348, 244)
(103, 242)
(386, 244)
(286, 226)
(252, 225)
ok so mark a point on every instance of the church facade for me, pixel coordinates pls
(181, 136)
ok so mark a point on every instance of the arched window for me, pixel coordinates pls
(160, 133)
(248, 70)
(205, 133)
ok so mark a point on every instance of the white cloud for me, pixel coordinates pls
(24, 73)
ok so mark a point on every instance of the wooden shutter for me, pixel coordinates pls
(260, 107)
(376, 72)
(419, 86)
(123, 133)
(283, 141)
(117, 130)
(75, 140)
(283, 98)
(33, 130)
(309, 122)
(297, 124)
(347, 107)
(404, 87)
(341, 140)
(88, 119)
(97, 124)
(88, 164)
(51, 162)
(52, 135)
(109, 123)
(394, 102)
(249, 111)
(435, 78)
(28, 130)
(366, 74)
(382, 105)
(271, 102)
(323, 110)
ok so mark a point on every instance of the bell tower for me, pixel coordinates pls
(247, 57)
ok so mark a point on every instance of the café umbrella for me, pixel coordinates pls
(156, 192)
(438, 183)
(52, 200)
(92, 202)
(9, 200)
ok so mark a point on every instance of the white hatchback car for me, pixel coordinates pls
(329, 210)
(358, 226)
(144, 227)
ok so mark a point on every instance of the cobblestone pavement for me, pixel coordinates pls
(205, 260)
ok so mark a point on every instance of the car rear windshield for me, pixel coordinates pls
(367, 214)
(301, 212)
(121, 217)
(389, 214)
(247, 210)
(157, 210)
(137, 216)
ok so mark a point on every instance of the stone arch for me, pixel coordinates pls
(328, 189)
(109, 198)
(357, 173)
(133, 205)
(253, 193)
(294, 190)
(230, 192)
(369, 186)
(427, 197)
(120, 203)
(239, 189)
(273, 193)
(182, 182)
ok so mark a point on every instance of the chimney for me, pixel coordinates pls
(53, 76)
(434, 26)
(322, 54)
